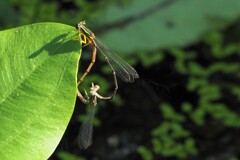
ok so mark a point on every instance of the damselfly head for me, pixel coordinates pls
(82, 28)
(80, 24)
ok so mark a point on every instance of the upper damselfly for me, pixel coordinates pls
(123, 70)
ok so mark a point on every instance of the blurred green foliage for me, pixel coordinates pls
(170, 139)
(65, 11)
(68, 156)
(165, 23)
(11, 19)
(191, 32)
(145, 153)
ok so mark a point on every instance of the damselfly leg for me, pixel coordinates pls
(86, 41)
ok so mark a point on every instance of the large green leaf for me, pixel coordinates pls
(150, 25)
(38, 68)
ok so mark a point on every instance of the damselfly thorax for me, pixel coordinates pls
(86, 40)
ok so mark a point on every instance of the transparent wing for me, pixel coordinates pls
(86, 130)
(123, 70)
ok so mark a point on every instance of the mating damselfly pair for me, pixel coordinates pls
(119, 67)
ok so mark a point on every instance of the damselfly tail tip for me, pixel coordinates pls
(134, 75)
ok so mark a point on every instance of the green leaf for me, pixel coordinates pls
(161, 24)
(38, 69)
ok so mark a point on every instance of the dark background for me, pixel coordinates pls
(185, 105)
